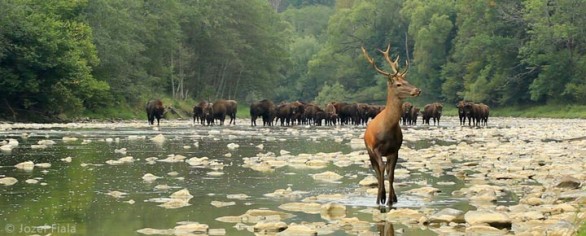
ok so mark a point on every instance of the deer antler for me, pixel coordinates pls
(394, 64)
(406, 69)
(371, 61)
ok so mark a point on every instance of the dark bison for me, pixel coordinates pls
(406, 112)
(264, 109)
(413, 115)
(198, 114)
(222, 108)
(477, 114)
(331, 115)
(461, 112)
(432, 111)
(154, 109)
(288, 112)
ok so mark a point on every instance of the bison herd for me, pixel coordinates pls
(334, 113)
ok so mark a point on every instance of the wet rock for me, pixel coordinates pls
(43, 165)
(222, 204)
(123, 160)
(233, 146)
(174, 204)
(569, 182)
(332, 211)
(8, 181)
(298, 230)
(285, 193)
(561, 228)
(67, 159)
(216, 232)
(69, 139)
(182, 194)
(369, 181)
(190, 227)
(484, 230)
(327, 176)
(447, 215)
(269, 227)
(150, 177)
(424, 191)
(403, 215)
(116, 194)
(158, 138)
(310, 208)
(31, 181)
(173, 159)
(27, 165)
(239, 196)
(494, 219)
(151, 231)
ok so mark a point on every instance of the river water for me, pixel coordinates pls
(83, 193)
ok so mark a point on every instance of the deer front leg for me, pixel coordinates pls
(379, 167)
(390, 168)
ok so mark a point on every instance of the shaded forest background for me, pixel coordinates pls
(69, 59)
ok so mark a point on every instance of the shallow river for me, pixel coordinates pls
(97, 182)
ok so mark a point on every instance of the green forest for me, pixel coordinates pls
(70, 59)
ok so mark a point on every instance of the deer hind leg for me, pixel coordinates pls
(390, 169)
(376, 161)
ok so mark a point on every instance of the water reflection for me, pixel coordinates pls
(385, 228)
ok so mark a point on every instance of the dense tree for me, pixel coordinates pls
(46, 58)
(64, 57)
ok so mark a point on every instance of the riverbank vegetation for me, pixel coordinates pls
(105, 58)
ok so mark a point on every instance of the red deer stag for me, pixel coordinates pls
(383, 136)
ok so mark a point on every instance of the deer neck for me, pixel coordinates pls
(393, 108)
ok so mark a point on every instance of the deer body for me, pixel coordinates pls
(383, 136)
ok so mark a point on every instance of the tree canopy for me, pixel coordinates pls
(63, 58)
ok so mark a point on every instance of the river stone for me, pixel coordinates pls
(561, 228)
(7, 181)
(369, 181)
(298, 230)
(405, 215)
(332, 211)
(494, 219)
(424, 191)
(484, 230)
(327, 176)
(174, 204)
(149, 177)
(182, 194)
(269, 227)
(151, 231)
(27, 165)
(222, 204)
(191, 228)
(447, 215)
(569, 182)
(307, 207)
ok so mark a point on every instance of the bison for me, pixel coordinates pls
(432, 111)
(198, 111)
(477, 114)
(461, 112)
(264, 109)
(413, 115)
(222, 108)
(406, 112)
(288, 112)
(154, 109)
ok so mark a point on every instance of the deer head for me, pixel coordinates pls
(396, 81)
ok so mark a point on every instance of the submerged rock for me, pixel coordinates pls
(7, 181)
(27, 165)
